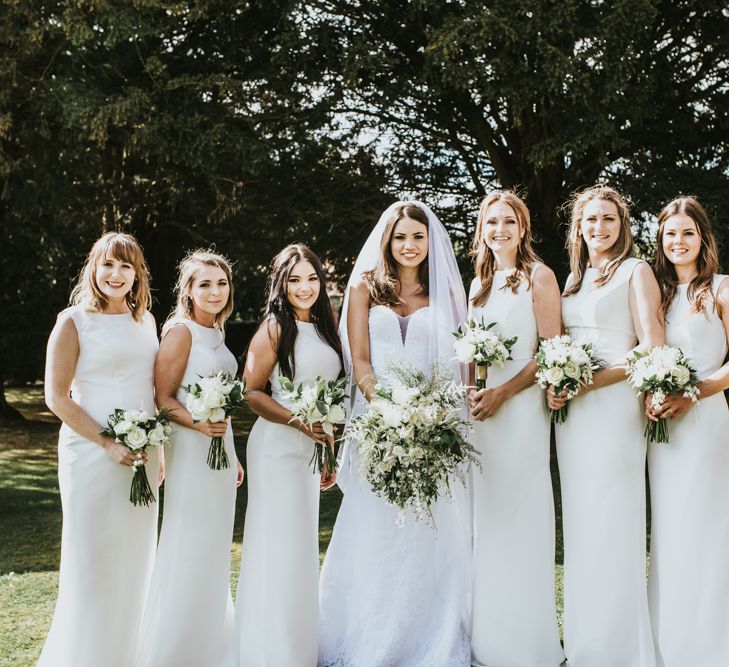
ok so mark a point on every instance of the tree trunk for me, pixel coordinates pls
(7, 412)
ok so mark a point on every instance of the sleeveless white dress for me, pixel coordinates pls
(688, 586)
(514, 614)
(188, 617)
(602, 456)
(392, 595)
(277, 606)
(107, 544)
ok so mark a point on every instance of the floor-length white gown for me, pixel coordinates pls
(514, 614)
(188, 617)
(688, 586)
(277, 605)
(602, 456)
(107, 544)
(389, 594)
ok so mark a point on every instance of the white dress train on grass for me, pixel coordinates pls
(393, 595)
(277, 601)
(107, 544)
(602, 457)
(188, 617)
(688, 586)
(514, 614)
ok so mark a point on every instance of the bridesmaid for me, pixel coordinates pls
(101, 356)
(688, 587)
(514, 615)
(188, 617)
(611, 300)
(277, 601)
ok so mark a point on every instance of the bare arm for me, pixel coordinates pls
(359, 338)
(61, 358)
(169, 370)
(719, 379)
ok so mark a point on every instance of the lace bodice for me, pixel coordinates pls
(386, 340)
(701, 336)
(601, 315)
(313, 357)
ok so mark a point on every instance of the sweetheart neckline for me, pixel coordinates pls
(397, 316)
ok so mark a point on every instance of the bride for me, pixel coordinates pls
(389, 594)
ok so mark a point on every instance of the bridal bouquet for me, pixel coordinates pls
(661, 370)
(412, 440)
(566, 365)
(137, 429)
(476, 342)
(212, 399)
(320, 402)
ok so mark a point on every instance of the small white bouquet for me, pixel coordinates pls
(212, 399)
(661, 370)
(412, 440)
(478, 343)
(137, 429)
(566, 365)
(320, 402)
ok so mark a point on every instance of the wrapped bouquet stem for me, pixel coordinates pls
(137, 429)
(213, 399)
(477, 343)
(321, 402)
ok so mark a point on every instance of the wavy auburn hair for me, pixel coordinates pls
(576, 246)
(186, 274)
(124, 248)
(707, 263)
(279, 308)
(484, 260)
(383, 281)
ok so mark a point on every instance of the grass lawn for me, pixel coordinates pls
(30, 525)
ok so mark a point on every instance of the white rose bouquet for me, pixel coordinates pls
(137, 429)
(323, 402)
(412, 440)
(212, 399)
(661, 370)
(566, 365)
(478, 343)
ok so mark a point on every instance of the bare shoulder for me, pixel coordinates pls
(267, 334)
(722, 296)
(177, 338)
(642, 274)
(543, 278)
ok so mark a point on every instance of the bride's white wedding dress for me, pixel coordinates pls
(389, 594)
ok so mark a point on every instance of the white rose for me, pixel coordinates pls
(465, 350)
(136, 438)
(157, 436)
(123, 427)
(217, 415)
(682, 375)
(391, 415)
(402, 395)
(337, 414)
(143, 416)
(133, 416)
(572, 370)
(579, 356)
(308, 394)
(554, 375)
(197, 408)
(212, 398)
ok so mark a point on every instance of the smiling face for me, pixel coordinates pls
(600, 227)
(114, 278)
(302, 288)
(681, 240)
(502, 232)
(210, 291)
(409, 242)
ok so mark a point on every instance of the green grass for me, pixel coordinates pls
(30, 526)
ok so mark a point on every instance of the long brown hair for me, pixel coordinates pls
(383, 282)
(124, 248)
(576, 246)
(484, 260)
(186, 272)
(279, 308)
(700, 292)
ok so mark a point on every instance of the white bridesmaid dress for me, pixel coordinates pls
(514, 614)
(277, 607)
(107, 544)
(393, 595)
(188, 617)
(688, 586)
(602, 456)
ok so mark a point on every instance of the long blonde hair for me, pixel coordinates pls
(700, 292)
(576, 246)
(484, 260)
(124, 248)
(186, 272)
